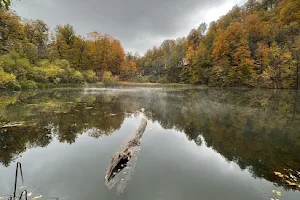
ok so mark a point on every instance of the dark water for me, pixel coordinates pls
(199, 144)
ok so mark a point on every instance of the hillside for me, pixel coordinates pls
(255, 45)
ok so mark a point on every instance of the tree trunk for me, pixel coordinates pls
(117, 174)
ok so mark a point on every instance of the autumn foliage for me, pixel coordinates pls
(254, 45)
(29, 55)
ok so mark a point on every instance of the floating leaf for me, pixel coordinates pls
(278, 193)
(292, 176)
(277, 173)
(286, 176)
(37, 197)
(281, 175)
(291, 183)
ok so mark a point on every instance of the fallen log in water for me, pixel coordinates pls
(122, 163)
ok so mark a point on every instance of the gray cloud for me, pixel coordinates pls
(138, 24)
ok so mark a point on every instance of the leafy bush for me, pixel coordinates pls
(57, 72)
(8, 80)
(13, 64)
(162, 79)
(52, 72)
(152, 78)
(108, 78)
(76, 76)
(14, 85)
(68, 74)
(89, 76)
(45, 74)
(64, 64)
(141, 79)
(37, 74)
(5, 77)
(28, 84)
(43, 63)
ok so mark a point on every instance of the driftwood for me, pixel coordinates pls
(122, 163)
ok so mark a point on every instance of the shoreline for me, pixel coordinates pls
(41, 86)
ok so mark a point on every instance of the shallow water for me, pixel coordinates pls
(199, 143)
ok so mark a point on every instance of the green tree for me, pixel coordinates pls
(11, 32)
(37, 33)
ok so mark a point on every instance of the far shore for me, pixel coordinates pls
(130, 84)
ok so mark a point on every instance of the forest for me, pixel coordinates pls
(254, 45)
(30, 55)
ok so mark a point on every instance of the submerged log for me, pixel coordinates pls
(122, 163)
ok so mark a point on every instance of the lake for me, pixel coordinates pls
(204, 144)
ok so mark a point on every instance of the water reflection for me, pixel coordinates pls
(257, 129)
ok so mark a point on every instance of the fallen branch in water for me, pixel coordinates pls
(125, 159)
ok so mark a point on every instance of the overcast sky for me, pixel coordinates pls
(138, 24)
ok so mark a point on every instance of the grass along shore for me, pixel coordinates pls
(101, 84)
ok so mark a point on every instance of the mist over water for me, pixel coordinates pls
(198, 144)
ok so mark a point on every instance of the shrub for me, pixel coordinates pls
(162, 79)
(89, 76)
(64, 64)
(152, 79)
(37, 74)
(75, 77)
(13, 64)
(14, 85)
(28, 84)
(8, 80)
(142, 79)
(5, 77)
(108, 78)
(43, 63)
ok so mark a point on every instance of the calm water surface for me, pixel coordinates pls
(204, 144)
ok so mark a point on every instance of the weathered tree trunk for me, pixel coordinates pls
(122, 163)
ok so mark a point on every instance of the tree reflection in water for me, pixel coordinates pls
(257, 129)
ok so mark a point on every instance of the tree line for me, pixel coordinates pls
(254, 45)
(31, 55)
